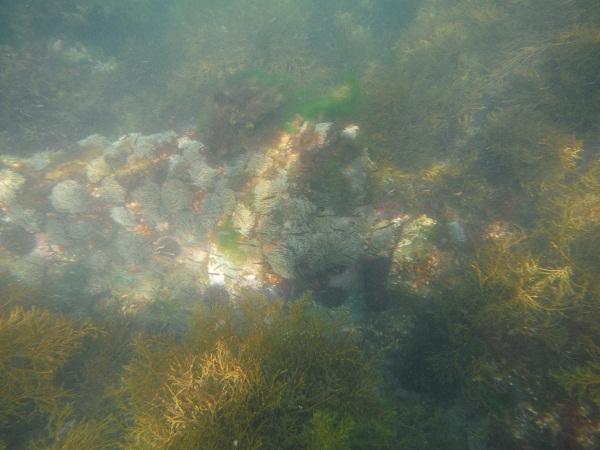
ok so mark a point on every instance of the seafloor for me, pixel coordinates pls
(289, 225)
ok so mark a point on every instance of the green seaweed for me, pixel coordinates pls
(307, 102)
(227, 239)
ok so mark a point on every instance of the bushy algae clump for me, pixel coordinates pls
(471, 126)
(35, 345)
(268, 374)
(259, 374)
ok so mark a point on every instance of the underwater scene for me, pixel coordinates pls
(277, 224)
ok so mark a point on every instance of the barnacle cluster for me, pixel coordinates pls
(155, 205)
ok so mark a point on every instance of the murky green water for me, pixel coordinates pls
(275, 224)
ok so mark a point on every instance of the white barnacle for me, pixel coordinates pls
(148, 196)
(268, 193)
(97, 169)
(282, 260)
(190, 149)
(111, 191)
(202, 175)
(258, 163)
(190, 227)
(212, 209)
(332, 249)
(382, 240)
(268, 229)
(356, 174)
(71, 197)
(133, 248)
(176, 165)
(117, 152)
(228, 199)
(299, 209)
(176, 195)
(93, 142)
(243, 220)
(123, 216)
(145, 147)
(43, 159)
(28, 218)
(10, 183)
(144, 285)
